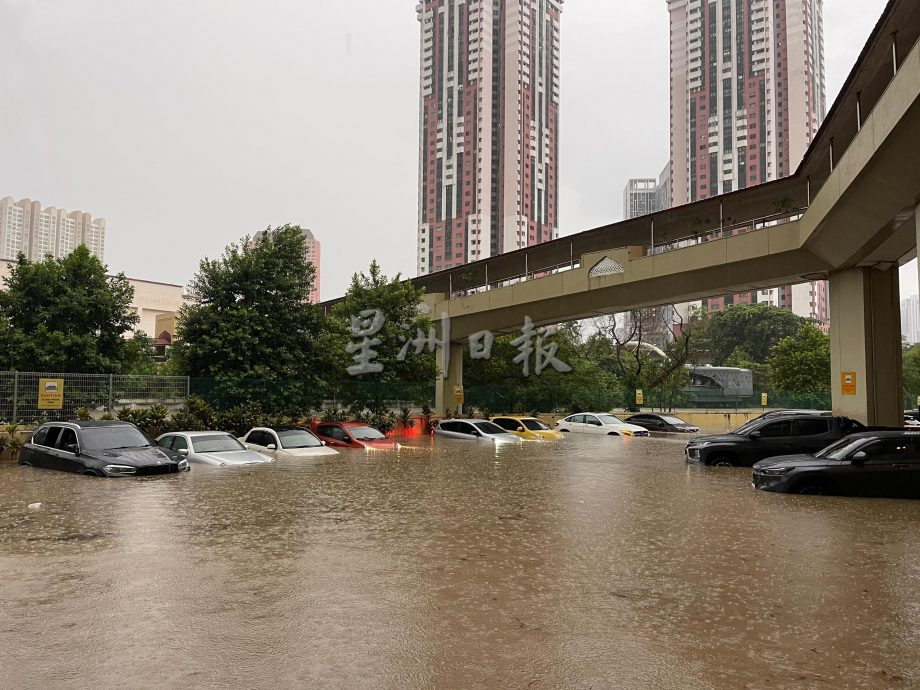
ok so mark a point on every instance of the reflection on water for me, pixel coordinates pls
(595, 562)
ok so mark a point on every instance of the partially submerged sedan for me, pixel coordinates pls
(663, 423)
(103, 449)
(353, 435)
(211, 448)
(528, 428)
(284, 442)
(474, 430)
(599, 423)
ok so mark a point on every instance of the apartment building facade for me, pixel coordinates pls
(28, 228)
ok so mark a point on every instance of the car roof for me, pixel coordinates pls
(511, 416)
(469, 421)
(198, 433)
(284, 427)
(893, 433)
(93, 423)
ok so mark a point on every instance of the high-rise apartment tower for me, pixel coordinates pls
(29, 229)
(489, 128)
(747, 98)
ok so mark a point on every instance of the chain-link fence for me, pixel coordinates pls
(31, 396)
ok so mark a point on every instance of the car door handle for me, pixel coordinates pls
(901, 466)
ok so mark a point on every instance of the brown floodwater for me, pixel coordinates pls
(591, 563)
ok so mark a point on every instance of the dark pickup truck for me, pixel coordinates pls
(765, 438)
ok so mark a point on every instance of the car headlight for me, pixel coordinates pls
(774, 471)
(183, 465)
(119, 469)
(699, 444)
(626, 432)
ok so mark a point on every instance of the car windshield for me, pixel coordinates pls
(609, 419)
(673, 420)
(298, 438)
(490, 428)
(840, 449)
(534, 424)
(216, 443)
(365, 433)
(109, 437)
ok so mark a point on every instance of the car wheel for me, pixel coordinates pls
(564, 431)
(722, 461)
(613, 433)
(813, 487)
(25, 463)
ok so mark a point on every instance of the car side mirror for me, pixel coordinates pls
(859, 457)
(476, 433)
(755, 434)
(271, 446)
(182, 451)
(520, 428)
(322, 442)
(72, 448)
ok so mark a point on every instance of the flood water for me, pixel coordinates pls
(591, 563)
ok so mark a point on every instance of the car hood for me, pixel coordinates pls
(234, 457)
(305, 452)
(721, 438)
(544, 435)
(134, 457)
(380, 444)
(800, 460)
(504, 438)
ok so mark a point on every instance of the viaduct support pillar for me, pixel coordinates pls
(444, 388)
(866, 346)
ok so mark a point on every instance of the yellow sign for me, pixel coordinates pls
(918, 401)
(848, 382)
(50, 394)
(640, 397)
(763, 399)
(458, 395)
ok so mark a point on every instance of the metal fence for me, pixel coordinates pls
(20, 394)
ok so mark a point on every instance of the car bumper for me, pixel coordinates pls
(693, 456)
(765, 482)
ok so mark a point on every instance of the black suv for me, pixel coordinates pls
(875, 463)
(104, 449)
(769, 437)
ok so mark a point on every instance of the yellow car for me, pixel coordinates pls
(527, 428)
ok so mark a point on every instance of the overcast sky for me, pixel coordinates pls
(189, 123)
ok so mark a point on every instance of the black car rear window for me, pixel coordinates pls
(108, 437)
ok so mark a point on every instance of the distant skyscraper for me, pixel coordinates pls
(27, 228)
(910, 319)
(747, 98)
(489, 128)
(647, 195)
(311, 254)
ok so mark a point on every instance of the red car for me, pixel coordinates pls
(353, 435)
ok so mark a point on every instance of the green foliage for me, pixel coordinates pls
(68, 315)
(755, 328)
(82, 414)
(406, 419)
(801, 362)
(15, 441)
(911, 366)
(398, 300)
(250, 325)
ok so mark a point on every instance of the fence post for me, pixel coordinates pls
(15, 397)
(111, 392)
(188, 390)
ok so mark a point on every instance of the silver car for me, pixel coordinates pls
(474, 430)
(211, 448)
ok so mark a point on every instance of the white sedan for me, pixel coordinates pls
(285, 442)
(599, 423)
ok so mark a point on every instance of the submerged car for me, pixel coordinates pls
(599, 423)
(666, 423)
(353, 435)
(768, 437)
(876, 463)
(211, 448)
(284, 442)
(103, 449)
(527, 428)
(474, 430)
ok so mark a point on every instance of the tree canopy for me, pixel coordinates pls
(250, 323)
(67, 315)
(755, 328)
(801, 362)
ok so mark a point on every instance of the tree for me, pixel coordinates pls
(755, 328)
(801, 363)
(67, 315)
(251, 327)
(398, 301)
(636, 363)
(911, 368)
